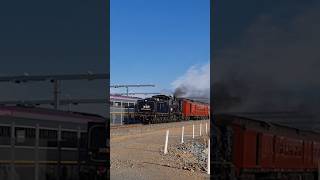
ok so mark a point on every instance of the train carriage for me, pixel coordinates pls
(49, 144)
(194, 110)
(253, 149)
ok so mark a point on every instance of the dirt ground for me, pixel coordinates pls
(139, 156)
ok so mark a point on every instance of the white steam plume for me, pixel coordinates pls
(194, 83)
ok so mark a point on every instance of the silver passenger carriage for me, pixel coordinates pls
(45, 144)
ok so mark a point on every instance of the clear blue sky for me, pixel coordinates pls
(156, 41)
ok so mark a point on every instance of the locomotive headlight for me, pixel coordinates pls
(146, 106)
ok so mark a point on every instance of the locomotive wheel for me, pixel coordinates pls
(172, 119)
(157, 120)
(175, 118)
(164, 119)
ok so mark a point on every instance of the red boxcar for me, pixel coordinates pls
(194, 110)
(265, 150)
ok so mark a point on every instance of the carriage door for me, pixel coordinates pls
(98, 143)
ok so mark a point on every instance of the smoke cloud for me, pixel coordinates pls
(274, 67)
(195, 83)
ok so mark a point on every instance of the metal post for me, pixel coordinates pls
(69, 104)
(192, 131)
(79, 151)
(166, 143)
(200, 129)
(127, 91)
(208, 162)
(206, 128)
(128, 111)
(12, 142)
(56, 94)
(121, 114)
(36, 169)
(182, 134)
(59, 153)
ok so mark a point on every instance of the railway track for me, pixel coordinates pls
(125, 126)
(150, 125)
(131, 129)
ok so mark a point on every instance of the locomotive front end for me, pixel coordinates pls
(145, 110)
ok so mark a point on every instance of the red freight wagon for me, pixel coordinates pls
(194, 110)
(253, 149)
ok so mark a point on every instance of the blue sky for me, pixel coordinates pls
(54, 37)
(156, 41)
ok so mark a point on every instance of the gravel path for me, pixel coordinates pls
(137, 153)
(191, 155)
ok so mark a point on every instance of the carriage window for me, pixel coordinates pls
(124, 104)
(5, 133)
(25, 136)
(131, 105)
(117, 104)
(69, 139)
(48, 138)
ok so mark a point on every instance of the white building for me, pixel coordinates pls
(122, 109)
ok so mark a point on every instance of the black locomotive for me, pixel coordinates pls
(157, 109)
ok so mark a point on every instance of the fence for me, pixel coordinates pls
(193, 137)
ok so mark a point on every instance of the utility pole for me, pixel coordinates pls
(55, 79)
(140, 93)
(127, 91)
(68, 101)
(131, 85)
(56, 93)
